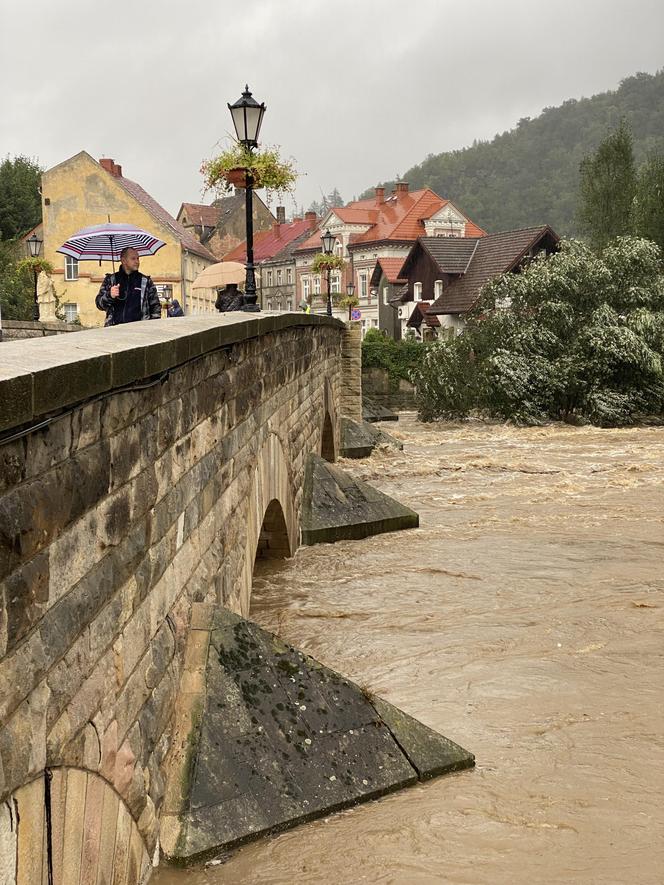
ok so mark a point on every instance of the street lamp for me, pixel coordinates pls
(328, 247)
(35, 244)
(350, 291)
(247, 115)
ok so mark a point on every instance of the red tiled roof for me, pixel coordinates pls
(189, 242)
(398, 217)
(391, 268)
(268, 242)
(199, 213)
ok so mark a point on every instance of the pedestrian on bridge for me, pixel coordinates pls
(128, 295)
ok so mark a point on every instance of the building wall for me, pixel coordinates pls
(123, 512)
(78, 193)
(233, 230)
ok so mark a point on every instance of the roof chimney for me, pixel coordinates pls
(275, 227)
(380, 196)
(401, 189)
(111, 167)
(312, 219)
(281, 214)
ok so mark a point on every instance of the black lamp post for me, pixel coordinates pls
(328, 247)
(350, 291)
(35, 244)
(247, 117)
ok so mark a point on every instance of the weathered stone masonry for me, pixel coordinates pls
(115, 517)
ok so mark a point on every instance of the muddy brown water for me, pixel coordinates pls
(524, 620)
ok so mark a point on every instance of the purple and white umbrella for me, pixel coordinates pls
(104, 242)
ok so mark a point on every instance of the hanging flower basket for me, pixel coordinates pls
(238, 177)
(268, 170)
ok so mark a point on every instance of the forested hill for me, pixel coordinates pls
(530, 175)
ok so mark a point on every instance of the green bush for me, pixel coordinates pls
(398, 358)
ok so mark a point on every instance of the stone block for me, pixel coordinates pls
(72, 852)
(26, 598)
(16, 398)
(31, 826)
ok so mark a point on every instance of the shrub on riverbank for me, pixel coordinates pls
(398, 358)
(577, 337)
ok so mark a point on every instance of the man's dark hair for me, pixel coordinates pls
(125, 250)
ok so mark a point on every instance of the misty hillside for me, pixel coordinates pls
(530, 174)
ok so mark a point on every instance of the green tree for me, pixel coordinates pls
(648, 210)
(607, 188)
(582, 341)
(20, 202)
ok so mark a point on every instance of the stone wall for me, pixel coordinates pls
(160, 448)
(13, 330)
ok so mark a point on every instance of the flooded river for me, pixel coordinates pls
(523, 619)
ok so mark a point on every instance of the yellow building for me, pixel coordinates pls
(80, 192)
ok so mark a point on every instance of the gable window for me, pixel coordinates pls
(268, 281)
(437, 288)
(417, 292)
(71, 268)
(386, 294)
(289, 275)
(71, 312)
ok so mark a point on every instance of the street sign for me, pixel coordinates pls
(355, 314)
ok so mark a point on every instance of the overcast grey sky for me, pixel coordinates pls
(356, 90)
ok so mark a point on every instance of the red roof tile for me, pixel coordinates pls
(398, 217)
(391, 268)
(268, 242)
(199, 213)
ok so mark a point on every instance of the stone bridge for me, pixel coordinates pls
(142, 471)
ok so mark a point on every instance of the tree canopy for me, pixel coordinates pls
(20, 201)
(530, 175)
(578, 336)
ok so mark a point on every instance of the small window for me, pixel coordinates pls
(417, 291)
(317, 285)
(335, 283)
(306, 287)
(289, 304)
(268, 281)
(269, 305)
(289, 275)
(71, 268)
(374, 323)
(279, 277)
(437, 288)
(71, 311)
(386, 294)
(363, 285)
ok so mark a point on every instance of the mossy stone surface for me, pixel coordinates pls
(284, 739)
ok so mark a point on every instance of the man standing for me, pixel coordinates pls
(128, 296)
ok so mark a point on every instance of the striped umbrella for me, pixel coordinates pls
(104, 242)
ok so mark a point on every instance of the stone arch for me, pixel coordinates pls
(70, 826)
(328, 434)
(271, 490)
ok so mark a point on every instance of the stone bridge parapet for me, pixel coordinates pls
(141, 469)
